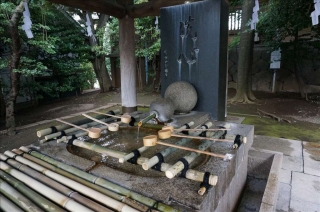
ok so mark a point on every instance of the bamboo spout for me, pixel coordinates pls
(125, 118)
(145, 120)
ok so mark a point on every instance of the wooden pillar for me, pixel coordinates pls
(127, 65)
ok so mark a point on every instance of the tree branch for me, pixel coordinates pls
(101, 6)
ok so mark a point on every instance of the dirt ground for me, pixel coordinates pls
(304, 116)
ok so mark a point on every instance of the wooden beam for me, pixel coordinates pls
(151, 8)
(101, 6)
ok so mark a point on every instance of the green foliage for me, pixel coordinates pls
(282, 20)
(58, 50)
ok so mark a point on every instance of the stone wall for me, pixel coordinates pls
(285, 79)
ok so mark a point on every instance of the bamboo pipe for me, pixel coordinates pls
(92, 132)
(98, 148)
(48, 131)
(179, 166)
(46, 191)
(154, 160)
(125, 118)
(97, 180)
(90, 179)
(74, 129)
(109, 193)
(53, 184)
(111, 127)
(152, 140)
(42, 202)
(99, 197)
(145, 120)
(8, 206)
(165, 134)
(18, 198)
(144, 148)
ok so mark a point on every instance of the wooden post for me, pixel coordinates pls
(127, 65)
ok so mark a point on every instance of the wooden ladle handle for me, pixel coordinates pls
(68, 123)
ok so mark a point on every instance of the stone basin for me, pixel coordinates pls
(178, 192)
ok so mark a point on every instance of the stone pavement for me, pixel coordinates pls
(299, 188)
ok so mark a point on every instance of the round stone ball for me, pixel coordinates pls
(163, 108)
(183, 95)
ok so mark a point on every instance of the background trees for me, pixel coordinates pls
(58, 49)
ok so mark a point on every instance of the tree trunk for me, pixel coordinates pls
(2, 104)
(10, 99)
(99, 66)
(295, 64)
(99, 62)
(244, 82)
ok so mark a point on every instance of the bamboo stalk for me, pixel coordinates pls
(144, 148)
(102, 182)
(48, 131)
(99, 197)
(168, 135)
(18, 198)
(42, 202)
(192, 150)
(8, 206)
(98, 148)
(74, 129)
(154, 160)
(46, 191)
(53, 184)
(145, 120)
(179, 166)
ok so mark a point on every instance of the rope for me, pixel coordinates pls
(111, 112)
(205, 181)
(161, 160)
(185, 131)
(53, 129)
(237, 141)
(70, 141)
(154, 206)
(224, 134)
(133, 120)
(186, 167)
(134, 159)
(63, 133)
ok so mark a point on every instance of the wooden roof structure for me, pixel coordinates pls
(121, 8)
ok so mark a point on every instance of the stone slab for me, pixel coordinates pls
(284, 194)
(305, 188)
(286, 146)
(311, 157)
(285, 176)
(301, 206)
(292, 163)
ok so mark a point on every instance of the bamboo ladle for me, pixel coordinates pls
(152, 140)
(111, 127)
(93, 132)
(125, 118)
(167, 133)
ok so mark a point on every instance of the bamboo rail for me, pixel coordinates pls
(97, 180)
(97, 196)
(7, 205)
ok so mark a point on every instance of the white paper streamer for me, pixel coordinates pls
(27, 21)
(89, 29)
(156, 23)
(255, 17)
(315, 14)
(275, 59)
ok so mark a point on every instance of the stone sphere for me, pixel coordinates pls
(183, 95)
(163, 108)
